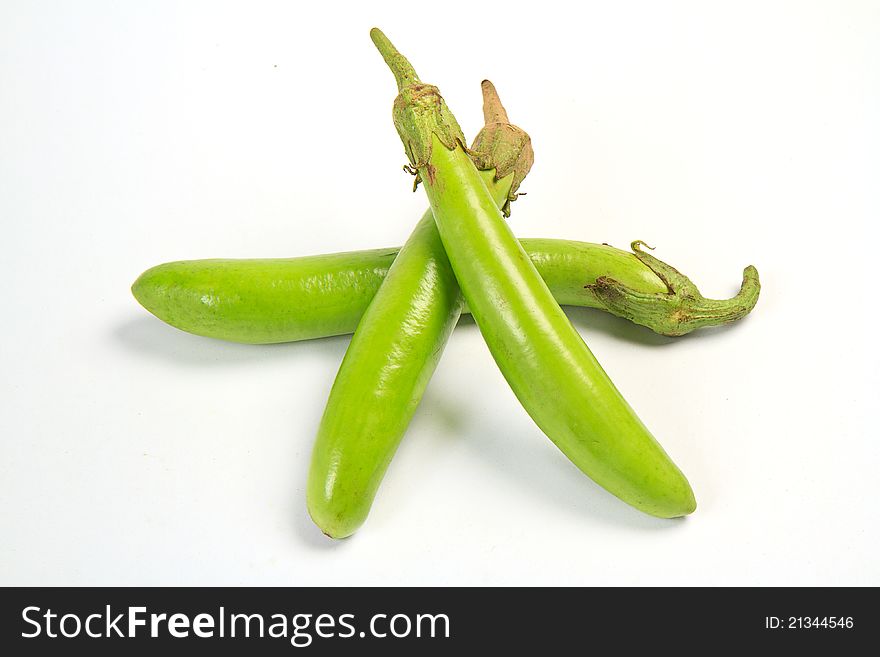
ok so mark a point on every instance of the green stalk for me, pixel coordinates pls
(549, 368)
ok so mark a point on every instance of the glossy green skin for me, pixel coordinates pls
(549, 367)
(383, 376)
(266, 300)
(262, 301)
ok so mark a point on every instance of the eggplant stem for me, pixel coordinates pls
(403, 71)
(493, 110)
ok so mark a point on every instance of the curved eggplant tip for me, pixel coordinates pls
(689, 505)
(671, 496)
(333, 513)
(144, 290)
(681, 505)
(332, 525)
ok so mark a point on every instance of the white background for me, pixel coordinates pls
(725, 134)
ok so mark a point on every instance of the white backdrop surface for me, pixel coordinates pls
(724, 134)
